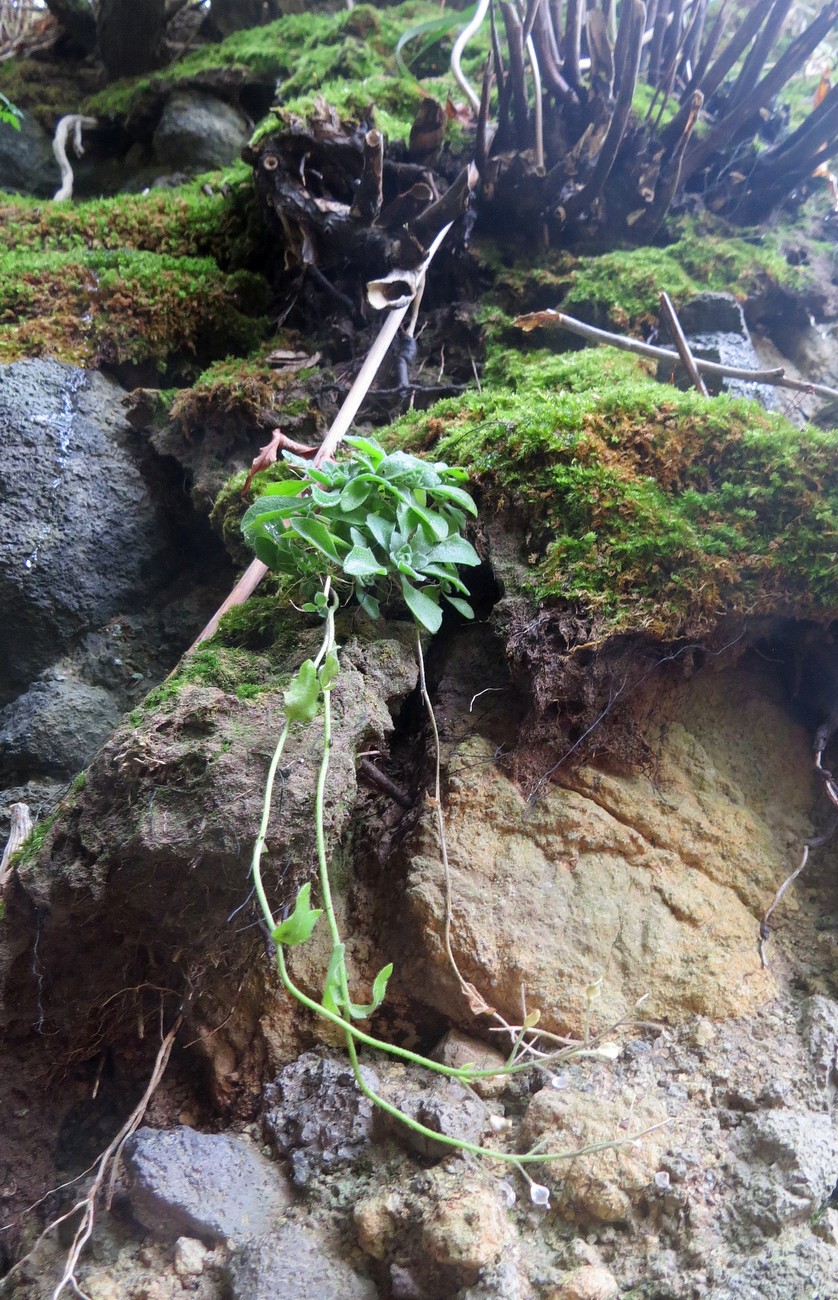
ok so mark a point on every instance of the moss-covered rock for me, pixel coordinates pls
(646, 507)
(621, 289)
(124, 306)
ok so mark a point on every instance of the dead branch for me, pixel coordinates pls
(687, 359)
(368, 198)
(777, 377)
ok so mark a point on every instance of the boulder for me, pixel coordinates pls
(198, 132)
(27, 163)
(81, 538)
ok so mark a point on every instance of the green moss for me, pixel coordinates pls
(48, 92)
(125, 305)
(621, 289)
(648, 507)
(244, 388)
(32, 845)
(182, 223)
(302, 52)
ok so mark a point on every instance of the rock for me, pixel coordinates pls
(187, 1184)
(55, 727)
(199, 132)
(27, 163)
(67, 565)
(604, 1186)
(467, 1228)
(586, 1283)
(458, 1050)
(714, 324)
(440, 1104)
(787, 1167)
(654, 890)
(316, 1114)
(189, 1257)
(296, 1264)
(820, 1033)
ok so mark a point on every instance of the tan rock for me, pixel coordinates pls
(603, 1186)
(586, 1283)
(653, 888)
(459, 1050)
(378, 1220)
(465, 1226)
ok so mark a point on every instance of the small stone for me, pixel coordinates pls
(459, 1050)
(99, 1285)
(587, 1283)
(297, 1264)
(189, 1257)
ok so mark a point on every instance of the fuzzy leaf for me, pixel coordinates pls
(297, 928)
(458, 496)
(361, 563)
(423, 609)
(303, 694)
(454, 550)
(368, 604)
(355, 493)
(318, 535)
(462, 606)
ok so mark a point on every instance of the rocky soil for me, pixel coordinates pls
(627, 778)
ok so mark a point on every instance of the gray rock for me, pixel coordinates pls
(294, 1263)
(820, 1034)
(789, 1163)
(55, 727)
(27, 163)
(438, 1103)
(198, 132)
(798, 1269)
(81, 540)
(205, 1185)
(316, 1114)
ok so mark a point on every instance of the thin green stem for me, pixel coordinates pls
(259, 846)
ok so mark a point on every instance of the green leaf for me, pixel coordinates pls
(360, 1010)
(462, 605)
(381, 529)
(318, 535)
(454, 550)
(289, 487)
(329, 670)
(355, 493)
(332, 985)
(297, 928)
(447, 575)
(368, 447)
(323, 498)
(435, 524)
(425, 610)
(457, 495)
(361, 563)
(368, 604)
(303, 694)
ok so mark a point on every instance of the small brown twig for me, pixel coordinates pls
(680, 339)
(384, 782)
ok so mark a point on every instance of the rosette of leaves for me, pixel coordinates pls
(380, 522)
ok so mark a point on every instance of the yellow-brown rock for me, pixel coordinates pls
(617, 886)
